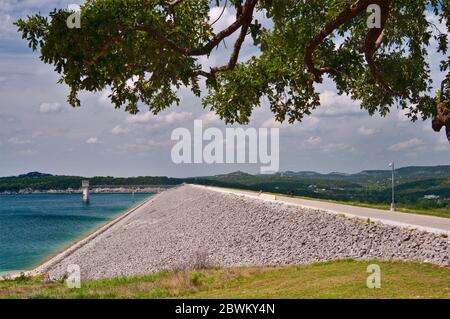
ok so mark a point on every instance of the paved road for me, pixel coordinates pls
(427, 223)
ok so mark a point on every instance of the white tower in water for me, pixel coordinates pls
(85, 188)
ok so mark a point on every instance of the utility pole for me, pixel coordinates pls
(392, 165)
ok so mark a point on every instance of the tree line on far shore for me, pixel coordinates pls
(372, 187)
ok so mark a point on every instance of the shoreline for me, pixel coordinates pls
(82, 240)
(93, 190)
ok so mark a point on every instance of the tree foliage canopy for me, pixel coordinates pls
(146, 50)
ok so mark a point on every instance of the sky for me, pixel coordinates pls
(39, 131)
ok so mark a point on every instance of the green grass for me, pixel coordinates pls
(336, 279)
(439, 212)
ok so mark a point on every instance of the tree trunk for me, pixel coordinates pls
(441, 118)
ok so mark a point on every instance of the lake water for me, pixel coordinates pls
(35, 227)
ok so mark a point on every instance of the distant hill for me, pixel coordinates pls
(29, 175)
(441, 171)
(44, 182)
(437, 171)
(371, 186)
(303, 173)
(338, 174)
(237, 173)
(374, 173)
(410, 171)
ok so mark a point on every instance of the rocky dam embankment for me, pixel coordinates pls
(188, 227)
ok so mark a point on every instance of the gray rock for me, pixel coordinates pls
(188, 226)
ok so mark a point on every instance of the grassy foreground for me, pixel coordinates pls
(337, 279)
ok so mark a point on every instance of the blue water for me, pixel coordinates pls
(35, 227)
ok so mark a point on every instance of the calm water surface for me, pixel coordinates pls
(35, 227)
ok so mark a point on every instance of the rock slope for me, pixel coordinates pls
(188, 227)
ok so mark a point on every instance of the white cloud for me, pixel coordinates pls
(153, 142)
(51, 108)
(272, 123)
(18, 141)
(314, 140)
(143, 145)
(337, 147)
(209, 118)
(427, 127)
(366, 131)
(311, 123)
(334, 105)
(131, 83)
(7, 29)
(438, 26)
(173, 117)
(92, 140)
(170, 118)
(223, 17)
(141, 118)
(308, 124)
(402, 115)
(104, 99)
(308, 143)
(120, 130)
(25, 152)
(443, 144)
(36, 134)
(407, 145)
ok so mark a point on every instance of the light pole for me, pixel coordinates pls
(392, 165)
